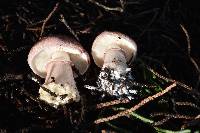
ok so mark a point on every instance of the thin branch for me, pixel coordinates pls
(62, 19)
(196, 120)
(159, 63)
(14, 51)
(161, 122)
(134, 108)
(119, 9)
(8, 77)
(195, 93)
(122, 3)
(170, 116)
(39, 28)
(169, 79)
(48, 17)
(187, 104)
(188, 39)
(115, 102)
(189, 54)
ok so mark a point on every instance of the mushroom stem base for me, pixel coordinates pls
(115, 59)
(61, 94)
(110, 84)
(59, 87)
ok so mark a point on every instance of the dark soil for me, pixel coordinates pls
(157, 26)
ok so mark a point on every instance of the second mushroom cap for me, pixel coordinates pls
(109, 40)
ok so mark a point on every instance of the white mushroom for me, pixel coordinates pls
(52, 58)
(112, 51)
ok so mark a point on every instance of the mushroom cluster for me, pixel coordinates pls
(54, 58)
(111, 52)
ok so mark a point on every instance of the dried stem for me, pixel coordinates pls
(170, 116)
(119, 9)
(8, 77)
(142, 103)
(111, 103)
(189, 54)
(187, 104)
(196, 120)
(39, 28)
(48, 17)
(62, 19)
(169, 79)
(188, 38)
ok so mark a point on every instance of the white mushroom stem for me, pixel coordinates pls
(60, 72)
(115, 59)
(60, 81)
(114, 81)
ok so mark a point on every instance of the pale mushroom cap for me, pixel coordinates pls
(107, 40)
(41, 53)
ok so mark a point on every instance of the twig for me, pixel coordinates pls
(187, 104)
(189, 54)
(35, 23)
(8, 77)
(169, 79)
(48, 17)
(39, 28)
(142, 103)
(141, 85)
(122, 3)
(21, 18)
(119, 9)
(170, 116)
(196, 120)
(161, 122)
(159, 63)
(115, 102)
(14, 51)
(195, 93)
(62, 19)
(188, 39)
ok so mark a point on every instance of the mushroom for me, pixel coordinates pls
(53, 58)
(111, 52)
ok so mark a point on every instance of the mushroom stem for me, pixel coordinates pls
(115, 75)
(60, 72)
(115, 59)
(59, 81)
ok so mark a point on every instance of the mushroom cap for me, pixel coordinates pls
(108, 40)
(41, 53)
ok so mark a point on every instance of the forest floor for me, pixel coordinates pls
(166, 70)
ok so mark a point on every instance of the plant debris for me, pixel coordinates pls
(166, 81)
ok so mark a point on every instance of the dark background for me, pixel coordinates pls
(155, 25)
